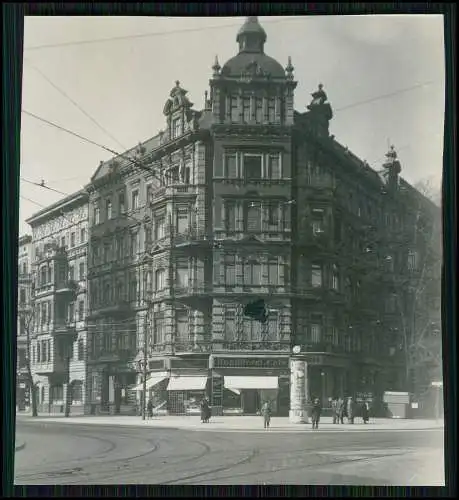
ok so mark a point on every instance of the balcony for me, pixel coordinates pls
(112, 356)
(24, 307)
(172, 191)
(120, 307)
(57, 366)
(64, 328)
(66, 287)
(258, 346)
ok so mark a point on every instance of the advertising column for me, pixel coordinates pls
(298, 391)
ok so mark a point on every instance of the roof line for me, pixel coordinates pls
(58, 204)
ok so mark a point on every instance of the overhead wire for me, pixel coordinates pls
(152, 34)
(78, 106)
(43, 185)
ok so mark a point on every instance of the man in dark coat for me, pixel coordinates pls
(365, 412)
(315, 413)
(205, 411)
(150, 408)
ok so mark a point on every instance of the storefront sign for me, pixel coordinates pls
(156, 365)
(267, 363)
(189, 363)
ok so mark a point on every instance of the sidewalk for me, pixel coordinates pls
(240, 423)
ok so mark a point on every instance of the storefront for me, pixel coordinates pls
(240, 385)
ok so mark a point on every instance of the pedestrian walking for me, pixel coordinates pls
(150, 408)
(341, 410)
(335, 410)
(315, 413)
(365, 413)
(351, 410)
(266, 413)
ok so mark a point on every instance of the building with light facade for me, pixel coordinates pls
(58, 326)
(24, 308)
(249, 199)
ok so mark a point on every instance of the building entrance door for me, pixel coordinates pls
(250, 401)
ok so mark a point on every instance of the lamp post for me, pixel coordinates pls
(438, 386)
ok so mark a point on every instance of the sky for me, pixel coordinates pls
(383, 74)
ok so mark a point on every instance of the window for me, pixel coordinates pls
(176, 129)
(135, 200)
(44, 352)
(82, 235)
(252, 330)
(252, 273)
(148, 281)
(134, 244)
(273, 210)
(252, 167)
(273, 273)
(229, 264)
(71, 273)
(182, 277)
(316, 275)
(80, 310)
(258, 110)
(234, 111)
(121, 203)
(43, 275)
(317, 227)
(72, 240)
(230, 216)
(107, 294)
(160, 276)
(119, 291)
(34, 354)
(246, 109)
(96, 214)
(81, 271)
(71, 312)
(39, 360)
(231, 166)
(181, 318)
(274, 167)
(80, 349)
(148, 194)
(253, 217)
(182, 221)
(119, 243)
(412, 260)
(108, 208)
(44, 311)
(271, 110)
(159, 328)
(22, 326)
(160, 229)
(316, 329)
(391, 303)
(106, 255)
(147, 236)
(335, 278)
(229, 325)
(22, 296)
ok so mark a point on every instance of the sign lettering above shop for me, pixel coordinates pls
(282, 363)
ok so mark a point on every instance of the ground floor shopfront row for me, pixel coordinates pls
(237, 383)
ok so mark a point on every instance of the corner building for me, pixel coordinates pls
(244, 199)
(58, 306)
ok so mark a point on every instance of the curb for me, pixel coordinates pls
(19, 447)
(289, 430)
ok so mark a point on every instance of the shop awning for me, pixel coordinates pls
(194, 383)
(153, 380)
(251, 383)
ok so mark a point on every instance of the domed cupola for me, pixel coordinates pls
(251, 37)
(251, 57)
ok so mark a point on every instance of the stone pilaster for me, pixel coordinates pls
(298, 391)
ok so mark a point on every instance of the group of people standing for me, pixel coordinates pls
(349, 408)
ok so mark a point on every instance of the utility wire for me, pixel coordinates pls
(148, 35)
(385, 96)
(43, 185)
(74, 103)
(85, 139)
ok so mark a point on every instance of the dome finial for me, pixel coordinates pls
(251, 37)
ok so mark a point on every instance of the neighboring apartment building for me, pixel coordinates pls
(24, 311)
(248, 199)
(59, 334)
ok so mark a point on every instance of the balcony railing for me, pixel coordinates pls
(66, 286)
(56, 366)
(269, 345)
(171, 190)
